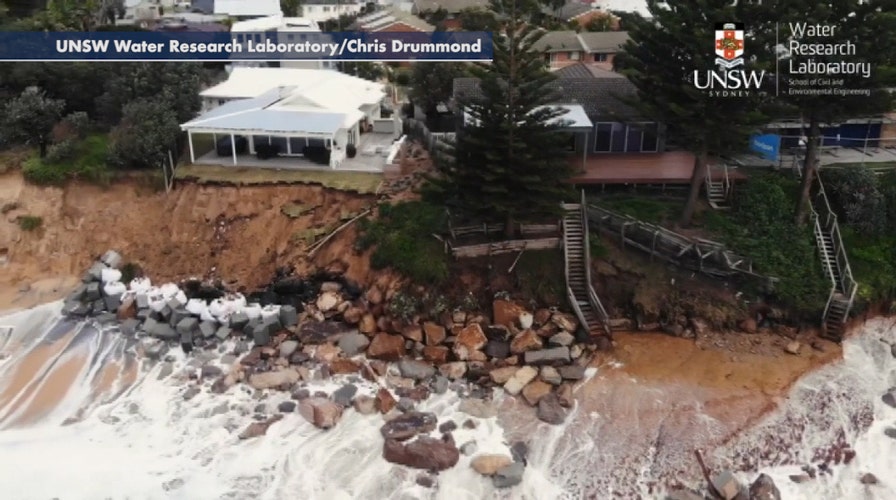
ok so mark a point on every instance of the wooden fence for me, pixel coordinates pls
(534, 237)
(704, 256)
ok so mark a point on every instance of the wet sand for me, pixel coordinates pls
(16, 294)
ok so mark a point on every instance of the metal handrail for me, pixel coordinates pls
(846, 284)
(586, 242)
(569, 293)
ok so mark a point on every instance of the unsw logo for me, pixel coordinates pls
(726, 81)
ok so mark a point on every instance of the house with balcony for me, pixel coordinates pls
(321, 11)
(579, 14)
(296, 118)
(564, 48)
(608, 141)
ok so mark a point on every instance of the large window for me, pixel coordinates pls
(626, 138)
(575, 56)
(601, 57)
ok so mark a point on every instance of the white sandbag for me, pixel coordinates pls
(252, 311)
(169, 290)
(110, 275)
(217, 308)
(206, 315)
(270, 311)
(115, 288)
(196, 307)
(157, 300)
(181, 296)
(140, 285)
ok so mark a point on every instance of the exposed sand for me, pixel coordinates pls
(25, 295)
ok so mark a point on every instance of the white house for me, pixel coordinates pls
(324, 10)
(247, 9)
(295, 109)
(279, 29)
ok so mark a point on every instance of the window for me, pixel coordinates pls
(603, 137)
(601, 57)
(617, 145)
(633, 139)
(326, 8)
(571, 143)
(575, 56)
(650, 142)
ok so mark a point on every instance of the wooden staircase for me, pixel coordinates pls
(835, 264)
(577, 256)
(718, 192)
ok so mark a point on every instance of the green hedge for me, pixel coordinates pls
(83, 159)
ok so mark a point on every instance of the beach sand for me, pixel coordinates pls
(17, 294)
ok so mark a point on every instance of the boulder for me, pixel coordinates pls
(175, 316)
(367, 324)
(889, 398)
(287, 347)
(506, 313)
(793, 348)
(422, 453)
(343, 366)
(327, 301)
(286, 406)
(726, 485)
(501, 375)
(764, 488)
(92, 292)
(365, 405)
(434, 334)
(321, 412)
(564, 395)
(454, 371)
(413, 333)
(478, 408)
(520, 451)
(508, 476)
(550, 375)
(520, 379)
(257, 429)
(129, 326)
(497, 349)
(386, 347)
(385, 401)
(550, 411)
(525, 341)
(546, 356)
(563, 339)
(158, 330)
(749, 325)
(112, 302)
(222, 333)
(469, 340)
(261, 335)
(345, 395)
(489, 465)
(436, 354)
(111, 259)
(535, 390)
(270, 380)
(353, 343)
(565, 322)
(868, 478)
(374, 295)
(572, 372)
(239, 320)
(416, 370)
(890, 432)
(404, 427)
(353, 315)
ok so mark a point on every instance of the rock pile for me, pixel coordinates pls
(333, 329)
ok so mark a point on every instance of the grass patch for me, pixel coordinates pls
(86, 159)
(540, 276)
(295, 210)
(30, 222)
(873, 263)
(358, 182)
(401, 236)
(649, 210)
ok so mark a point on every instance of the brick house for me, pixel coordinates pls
(611, 126)
(563, 48)
(580, 14)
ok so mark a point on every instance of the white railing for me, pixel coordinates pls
(826, 224)
(586, 248)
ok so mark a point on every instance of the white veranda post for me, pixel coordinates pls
(233, 147)
(190, 140)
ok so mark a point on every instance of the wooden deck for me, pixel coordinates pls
(642, 168)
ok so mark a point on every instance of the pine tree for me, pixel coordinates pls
(870, 26)
(509, 159)
(661, 58)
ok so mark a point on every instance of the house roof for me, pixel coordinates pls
(450, 6)
(582, 70)
(239, 8)
(639, 6)
(566, 41)
(603, 41)
(600, 94)
(272, 112)
(570, 11)
(277, 22)
(315, 88)
(387, 17)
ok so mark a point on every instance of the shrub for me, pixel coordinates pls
(38, 172)
(80, 122)
(61, 151)
(854, 195)
(30, 222)
(85, 160)
(351, 151)
(404, 305)
(402, 238)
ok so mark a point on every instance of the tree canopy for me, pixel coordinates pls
(432, 83)
(30, 118)
(863, 25)
(148, 131)
(508, 160)
(662, 58)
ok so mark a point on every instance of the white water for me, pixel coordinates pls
(141, 440)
